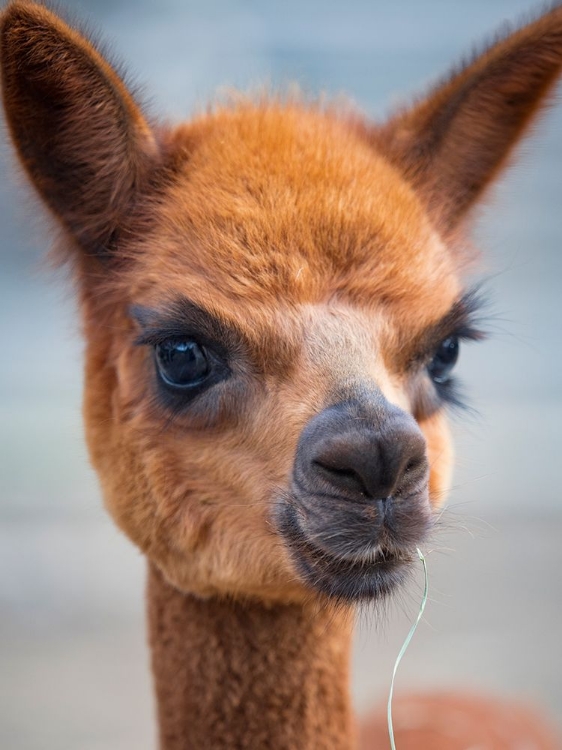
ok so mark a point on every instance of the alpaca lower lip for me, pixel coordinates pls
(342, 578)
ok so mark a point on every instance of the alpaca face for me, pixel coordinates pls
(272, 303)
(250, 316)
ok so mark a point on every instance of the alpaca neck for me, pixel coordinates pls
(246, 675)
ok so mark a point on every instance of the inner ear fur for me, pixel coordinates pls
(453, 142)
(77, 130)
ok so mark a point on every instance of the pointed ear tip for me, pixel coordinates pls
(551, 14)
(22, 21)
(23, 13)
(16, 10)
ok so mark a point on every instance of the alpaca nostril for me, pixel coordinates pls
(340, 476)
(414, 464)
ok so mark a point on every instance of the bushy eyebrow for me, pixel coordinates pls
(183, 319)
(461, 320)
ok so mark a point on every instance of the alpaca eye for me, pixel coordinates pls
(182, 364)
(444, 360)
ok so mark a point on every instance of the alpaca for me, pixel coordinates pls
(273, 301)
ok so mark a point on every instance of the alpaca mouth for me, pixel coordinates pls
(366, 577)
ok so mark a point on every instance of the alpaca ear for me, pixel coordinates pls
(78, 133)
(453, 143)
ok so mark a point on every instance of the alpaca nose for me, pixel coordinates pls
(362, 450)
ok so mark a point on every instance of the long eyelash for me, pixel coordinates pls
(470, 332)
(160, 335)
(432, 397)
(452, 393)
(469, 324)
(155, 336)
(467, 319)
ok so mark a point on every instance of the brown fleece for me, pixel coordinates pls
(459, 721)
(247, 675)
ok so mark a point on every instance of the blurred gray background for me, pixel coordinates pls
(73, 663)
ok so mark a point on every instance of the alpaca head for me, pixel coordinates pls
(273, 301)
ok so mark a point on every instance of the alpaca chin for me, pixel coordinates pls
(344, 578)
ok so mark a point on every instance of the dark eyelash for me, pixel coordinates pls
(476, 305)
(159, 336)
(470, 332)
(467, 323)
(155, 336)
(466, 319)
(451, 393)
(430, 399)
